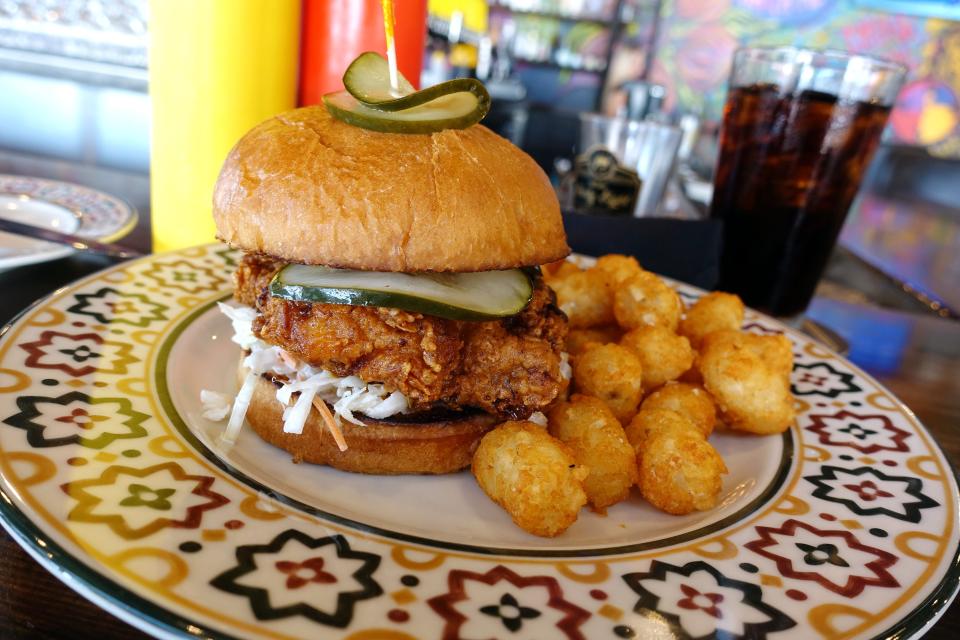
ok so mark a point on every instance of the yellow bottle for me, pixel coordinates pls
(217, 68)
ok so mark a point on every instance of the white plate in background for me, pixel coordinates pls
(59, 206)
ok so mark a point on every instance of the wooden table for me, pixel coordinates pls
(34, 604)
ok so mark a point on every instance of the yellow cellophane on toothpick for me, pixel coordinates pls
(217, 68)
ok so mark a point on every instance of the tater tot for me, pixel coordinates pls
(585, 297)
(645, 299)
(532, 475)
(559, 269)
(589, 428)
(663, 354)
(680, 472)
(648, 422)
(689, 400)
(750, 393)
(692, 375)
(578, 339)
(775, 350)
(611, 373)
(618, 268)
(713, 312)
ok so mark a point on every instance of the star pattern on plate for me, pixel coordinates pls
(77, 418)
(698, 601)
(136, 503)
(110, 306)
(835, 560)
(869, 492)
(867, 433)
(185, 276)
(821, 379)
(760, 329)
(78, 354)
(531, 606)
(294, 574)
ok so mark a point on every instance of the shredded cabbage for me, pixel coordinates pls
(240, 406)
(346, 395)
(242, 319)
(566, 371)
(216, 406)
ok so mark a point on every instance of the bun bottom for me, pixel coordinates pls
(380, 447)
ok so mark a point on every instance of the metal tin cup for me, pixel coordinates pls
(622, 166)
(799, 129)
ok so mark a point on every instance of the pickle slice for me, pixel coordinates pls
(453, 111)
(368, 80)
(484, 295)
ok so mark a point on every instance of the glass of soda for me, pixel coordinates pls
(799, 128)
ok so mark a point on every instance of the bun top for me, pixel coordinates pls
(306, 187)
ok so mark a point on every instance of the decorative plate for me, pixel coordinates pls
(60, 206)
(844, 527)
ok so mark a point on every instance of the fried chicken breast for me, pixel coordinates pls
(509, 368)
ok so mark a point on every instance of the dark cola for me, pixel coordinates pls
(789, 168)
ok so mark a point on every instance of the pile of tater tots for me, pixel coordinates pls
(651, 380)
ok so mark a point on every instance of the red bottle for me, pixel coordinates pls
(337, 31)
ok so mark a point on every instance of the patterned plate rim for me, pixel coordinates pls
(65, 566)
(100, 586)
(129, 220)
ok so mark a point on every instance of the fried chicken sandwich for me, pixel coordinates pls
(388, 300)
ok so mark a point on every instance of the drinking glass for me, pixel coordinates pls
(799, 129)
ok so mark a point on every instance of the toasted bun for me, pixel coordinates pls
(306, 187)
(380, 447)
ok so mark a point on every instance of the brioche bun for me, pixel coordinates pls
(379, 447)
(308, 188)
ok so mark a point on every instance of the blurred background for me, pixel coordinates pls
(74, 72)
(77, 103)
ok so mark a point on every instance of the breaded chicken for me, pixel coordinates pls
(509, 368)
(407, 351)
(252, 278)
(504, 373)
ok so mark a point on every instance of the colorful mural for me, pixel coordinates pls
(699, 37)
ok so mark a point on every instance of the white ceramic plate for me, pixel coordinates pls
(845, 526)
(59, 206)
